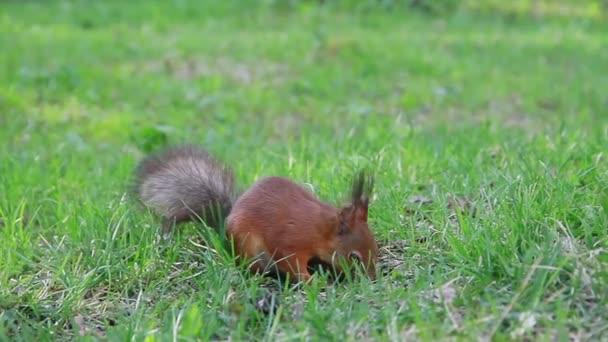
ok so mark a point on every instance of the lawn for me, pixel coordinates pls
(487, 131)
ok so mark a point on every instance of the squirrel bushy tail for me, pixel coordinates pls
(185, 183)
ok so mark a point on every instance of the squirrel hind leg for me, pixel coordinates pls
(265, 265)
(296, 267)
(250, 249)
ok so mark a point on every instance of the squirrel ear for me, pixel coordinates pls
(356, 211)
(347, 219)
(360, 213)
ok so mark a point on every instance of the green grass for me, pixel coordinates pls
(504, 115)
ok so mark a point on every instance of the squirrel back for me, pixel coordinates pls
(185, 184)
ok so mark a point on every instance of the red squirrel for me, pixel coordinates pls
(277, 224)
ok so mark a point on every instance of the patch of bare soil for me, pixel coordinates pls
(188, 68)
(392, 255)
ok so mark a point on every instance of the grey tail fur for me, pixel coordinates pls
(185, 183)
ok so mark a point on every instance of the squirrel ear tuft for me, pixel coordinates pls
(362, 188)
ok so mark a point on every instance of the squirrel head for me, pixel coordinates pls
(355, 241)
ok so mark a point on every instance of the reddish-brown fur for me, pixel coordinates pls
(278, 221)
